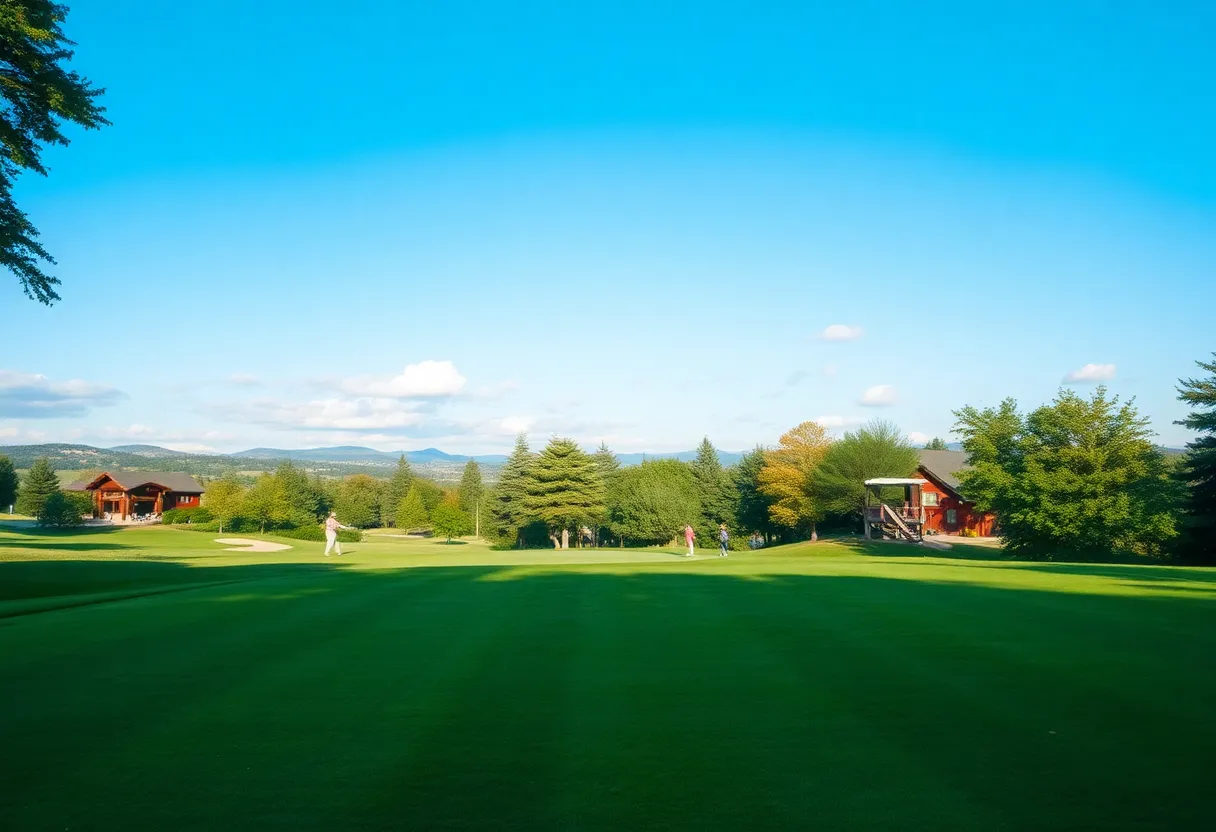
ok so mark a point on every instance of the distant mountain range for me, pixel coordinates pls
(336, 461)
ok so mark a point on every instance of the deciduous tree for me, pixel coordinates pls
(39, 484)
(650, 503)
(267, 503)
(449, 520)
(357, 502)
(38, 94)
(877, 449)
(787, 474)
(224, 498)
(1198, 469)
(301, 495)
(1074, 480)
(936, 444)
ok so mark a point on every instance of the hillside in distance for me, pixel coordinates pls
(337, 461)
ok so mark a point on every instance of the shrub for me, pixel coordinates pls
(59, 511)
(212, 526)
(317, 534)
(187, 515)
(968, 533)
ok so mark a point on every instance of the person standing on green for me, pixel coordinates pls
(723, 540)
(331, 533)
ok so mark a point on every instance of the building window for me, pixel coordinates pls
(951, 517)
(929, 498)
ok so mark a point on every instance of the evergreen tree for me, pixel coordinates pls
(8, 483)
(565, 490)
(752, 507)
(877, 449)
(267, 503)
(301, 495)
(606, 462)
(936, 444)
(508, 510)
(38, 96)
(471, 493)
(411, 512)
(1074, 480)
(397, 489)
(609, 466)
(224, 498)
(1198, 469)
(449, 520)
(40, 483)
(715, 492)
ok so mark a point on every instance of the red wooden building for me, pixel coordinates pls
(946, 510)
(125, 494)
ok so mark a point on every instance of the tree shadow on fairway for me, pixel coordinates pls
(320, 696)
(71, 547)
(32, 529)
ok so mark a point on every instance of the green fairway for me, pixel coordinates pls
(150, 679)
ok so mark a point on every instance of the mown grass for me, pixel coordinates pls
(152, 680)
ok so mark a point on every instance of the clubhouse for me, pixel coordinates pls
(140, 495)
(946, 510)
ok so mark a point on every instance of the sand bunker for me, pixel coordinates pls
(244, 544)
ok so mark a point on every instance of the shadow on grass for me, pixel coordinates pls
(32, 529)
(506, 697)
(71, 547)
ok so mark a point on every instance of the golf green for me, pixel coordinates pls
(150, 679)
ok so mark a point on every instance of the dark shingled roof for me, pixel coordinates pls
(181, 483)
(944, 465)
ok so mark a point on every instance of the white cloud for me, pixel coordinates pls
(880, 395)
(245, 379)
(840, 332)
(35, 396)
(839, 421)
(918, 438)
(1091, 373)
(8, 432)
(513, 425)
(344, 414)
(421, 380)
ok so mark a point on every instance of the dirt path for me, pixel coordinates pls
(244, 544)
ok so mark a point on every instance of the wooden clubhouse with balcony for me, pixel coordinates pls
(132, 495)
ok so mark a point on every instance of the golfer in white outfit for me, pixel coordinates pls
(331, 534)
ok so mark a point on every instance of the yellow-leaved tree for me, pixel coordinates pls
(787, 474)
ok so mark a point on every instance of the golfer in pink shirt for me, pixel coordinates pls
(331, 533)
(689, 537)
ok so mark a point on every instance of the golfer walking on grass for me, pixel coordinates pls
(723, 540)
(331, 533)
(689, 537)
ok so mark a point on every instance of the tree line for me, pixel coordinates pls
(1076, 479)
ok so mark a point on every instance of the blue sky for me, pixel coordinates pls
(414, 224)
